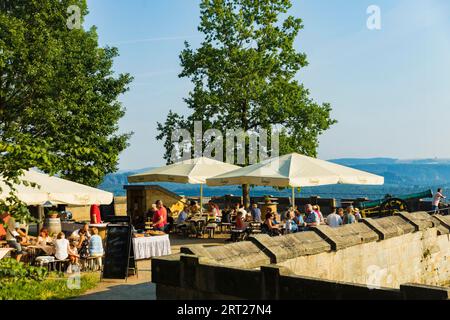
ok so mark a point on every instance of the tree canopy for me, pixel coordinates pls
(244, 76)
(59, 107)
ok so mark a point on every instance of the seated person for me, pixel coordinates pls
(269, 227)
(194, 208)
(183, 215)
(213, 212)
(62, 247)
(76, 233)
(291, 225)
(240, 223)
(44, 239)
(73, 253)
(276, 219)
(298, 218)
(226, 216)
(83, 245)
(95, 244)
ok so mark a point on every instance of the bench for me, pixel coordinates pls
(211, 229)
(237, 235)
(226, 226)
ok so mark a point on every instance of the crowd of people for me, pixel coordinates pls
(271, 222)
(81, 244)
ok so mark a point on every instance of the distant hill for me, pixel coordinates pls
(401, 177)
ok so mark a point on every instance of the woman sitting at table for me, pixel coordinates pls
(240, 223)
(291, 225)
(269, 227)
(44, 239)
(83, 245)
(62, 247)
(96, 246)
(213, 211)
(194, 208)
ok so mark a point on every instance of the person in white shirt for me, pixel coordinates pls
(437, 199)
(243, 211)
(76, 233)
(62, 247)
(334, 220)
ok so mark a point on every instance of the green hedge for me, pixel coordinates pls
(21, 282)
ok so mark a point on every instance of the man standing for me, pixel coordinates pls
(95, 214)
(437, 199)
(256, 213)
(334, 220)
(12, 233)
(160, 216)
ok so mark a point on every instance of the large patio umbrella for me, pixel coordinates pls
(295, 170)
(192, 171)
(56, 191)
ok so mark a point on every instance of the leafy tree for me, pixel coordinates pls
(244, 76)
(58, 94)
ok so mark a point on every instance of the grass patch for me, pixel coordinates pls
(21, 282)
(48, 289)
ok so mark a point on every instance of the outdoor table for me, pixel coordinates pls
(4, 252)
(153, 246)
(198, 224)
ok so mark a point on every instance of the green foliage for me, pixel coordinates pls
(244, 76)
(12, 271)
(21, 282)
(59, 107)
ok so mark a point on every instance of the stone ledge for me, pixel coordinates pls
(444, 223)
(347, 235)
(420, 220)
(291, 246)
(411, 291)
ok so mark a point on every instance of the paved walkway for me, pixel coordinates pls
(140, 287)
(134, 288)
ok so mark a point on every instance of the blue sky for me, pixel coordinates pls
(389, 88)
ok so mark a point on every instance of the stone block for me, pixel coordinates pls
(392, 226)
(244, 254)
(270, 279)
(347, 235)
(411, 291)
(166, 270)
(443, 223)
(420, 220)
(308, 288)
(291, 246)
(228, 281)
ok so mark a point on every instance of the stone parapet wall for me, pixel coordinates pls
(358, 260)
(194, 279)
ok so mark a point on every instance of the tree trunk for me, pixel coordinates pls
(246, 195)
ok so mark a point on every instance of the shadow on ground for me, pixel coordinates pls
(140, 291)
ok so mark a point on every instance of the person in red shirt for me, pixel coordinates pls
(95, 214)
(160, 216)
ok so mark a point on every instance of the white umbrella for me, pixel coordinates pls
(192, 171)
(295, 170)
(55, 190)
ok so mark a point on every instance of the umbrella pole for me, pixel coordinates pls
(293, 197)
(201, 198)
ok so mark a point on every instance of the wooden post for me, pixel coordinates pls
(40, 218)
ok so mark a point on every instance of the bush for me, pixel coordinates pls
(12, 271)
(22, 282)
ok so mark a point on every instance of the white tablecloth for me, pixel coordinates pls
(4, 252)
(148, 247)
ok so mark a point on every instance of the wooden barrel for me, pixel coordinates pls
(53, 225)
